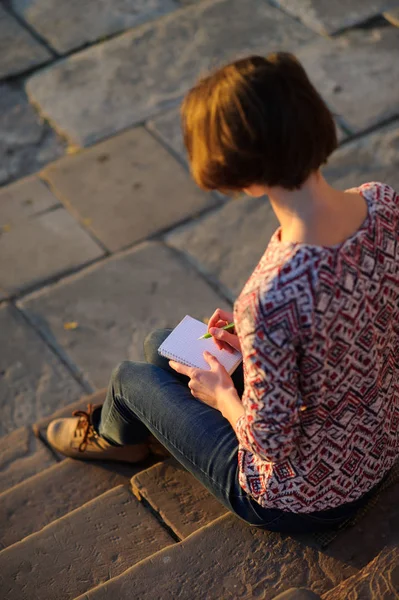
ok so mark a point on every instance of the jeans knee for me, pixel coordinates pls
(122, 372)
(152, 343)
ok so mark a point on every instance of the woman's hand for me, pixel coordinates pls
(211, 387)
(224, 340)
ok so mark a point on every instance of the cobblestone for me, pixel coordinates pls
(117, 304)
(356, 74)
(37, 245)
(328, 17)
(374, 157)
(33, 381)
(126, 189)
(100, 91)
(66, 26)
(19, 51)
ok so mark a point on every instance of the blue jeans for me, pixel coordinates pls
(151, 397)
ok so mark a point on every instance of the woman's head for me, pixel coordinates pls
(257, 121)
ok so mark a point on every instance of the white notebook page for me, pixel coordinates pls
(183, 345)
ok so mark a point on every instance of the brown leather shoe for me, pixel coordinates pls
(76, 437)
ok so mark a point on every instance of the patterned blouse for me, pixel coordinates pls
(319, 331)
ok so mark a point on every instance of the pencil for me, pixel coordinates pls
(208, 335)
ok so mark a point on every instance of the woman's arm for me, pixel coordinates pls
(269, 424)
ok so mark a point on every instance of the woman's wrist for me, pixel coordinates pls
(231, 406)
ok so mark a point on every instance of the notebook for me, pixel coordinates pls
(183, 346)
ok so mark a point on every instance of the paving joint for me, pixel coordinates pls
(42, 41)
(212, 281)
(154, 513)
(87, 388)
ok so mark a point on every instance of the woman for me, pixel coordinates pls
(298, 439)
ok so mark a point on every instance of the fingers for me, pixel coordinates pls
(222, 345)
(183, 369)
(220, 315)
(224, 336)
(211, 360)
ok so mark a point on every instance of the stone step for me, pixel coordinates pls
(21, 456)
(88, 546)
(181, 501)
(379, 580)
(23, 453)
(56, 491)
(360, 544)
(226, 559)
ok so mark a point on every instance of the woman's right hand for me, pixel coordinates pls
(224, 339)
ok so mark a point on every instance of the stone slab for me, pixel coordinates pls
(65, 26)
(228, 243)
(229, 560)
(33, 381)
(110, 86)
(357, 74)
(21, 456)
(19, 51)
(116, 304)
(126, 189)
(374, 157)
(88, 546)
(378, 580)
(328, 17)
(360, 544)
(26, 141)
(53, 493)
(37, 245)
(168, 127)
(183, 503)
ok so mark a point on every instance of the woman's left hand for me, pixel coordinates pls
(208, 386)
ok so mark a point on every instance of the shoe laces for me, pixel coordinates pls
(85, 426)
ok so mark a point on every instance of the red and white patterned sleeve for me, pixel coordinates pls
(271, 396)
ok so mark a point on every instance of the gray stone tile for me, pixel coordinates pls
(47, 495)
(357, 74)
(374, 157)
(33, 382)
(26, 142)
(126, 188)
(69, 25)
(19, 51)
(327, 17)
(88, 546)
(117, 303)
(359, 544)
(229, 242)
(168, 127)
(21, 456)
(184, 504)
(25, 200)
(229, 560)
(36, 244)
(123, 81)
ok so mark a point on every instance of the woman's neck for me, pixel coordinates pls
(317, 213)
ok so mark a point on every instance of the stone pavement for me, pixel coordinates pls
(103, 234)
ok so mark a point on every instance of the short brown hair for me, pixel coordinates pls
(256, 121)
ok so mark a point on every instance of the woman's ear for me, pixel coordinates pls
(255, 190)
